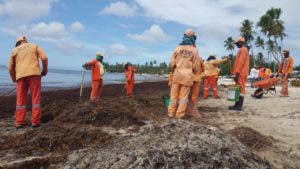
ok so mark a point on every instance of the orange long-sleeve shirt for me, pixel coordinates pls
(184, 62)
(97, 69)
(286, 65)
(24, 61)
(241, 63)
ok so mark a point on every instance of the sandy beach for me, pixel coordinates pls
(276, 118)
(135, 132)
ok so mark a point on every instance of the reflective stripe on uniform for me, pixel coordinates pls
(20, 107)
(173, 101)
(36, 105)
(241, 94)
(183, 101)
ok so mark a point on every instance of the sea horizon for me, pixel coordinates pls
(61, 78)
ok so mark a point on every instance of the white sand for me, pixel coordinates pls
(272, 115)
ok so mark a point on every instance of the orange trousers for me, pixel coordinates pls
(178, 100)
(193, 101)
(195, 92)
(242, 80)
(34, 84)
(96, 90)
(284, 86)
(129, 88)
(210, 82)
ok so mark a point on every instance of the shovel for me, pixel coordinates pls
(82, 83)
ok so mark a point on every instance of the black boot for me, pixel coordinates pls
(241, 102)
(238, 105)
(234, 106)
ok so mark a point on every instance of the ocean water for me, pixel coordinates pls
(69, 78)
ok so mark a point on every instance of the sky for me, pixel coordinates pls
(138, 31)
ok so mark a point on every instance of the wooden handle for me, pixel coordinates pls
(82, 82)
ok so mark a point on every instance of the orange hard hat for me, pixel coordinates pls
(189, 32)
(21, 38)
(240, 39)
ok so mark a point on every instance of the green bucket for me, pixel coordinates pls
(233, 93)
(166, 100)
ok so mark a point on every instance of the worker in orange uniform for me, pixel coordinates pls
(129, 75)
(285, 70)
(261, 72)
(211, 74)
(192, 109)
(240, 71)
(97, 70)
(183, 65)
(24, 69)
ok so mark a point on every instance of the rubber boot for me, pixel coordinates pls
(239, 105)
(234, 106)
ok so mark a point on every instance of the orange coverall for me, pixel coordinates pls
(129, 75)
(286, 68)
(97, 70)
(211, 74)
(184, 62)
(25, 70)
(241, 66)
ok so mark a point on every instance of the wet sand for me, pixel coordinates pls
(73, 125)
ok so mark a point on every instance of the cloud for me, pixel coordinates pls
(120, 9)
(25, 10)
(77, 27)
(153, 34)
(51, 31)
(117, 49)
(217, 20)
(69, 47)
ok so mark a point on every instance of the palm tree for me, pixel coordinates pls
(247, 31)
(259, 42)
(260, 58)
(272, 49)
(271, 26)
(229, 44)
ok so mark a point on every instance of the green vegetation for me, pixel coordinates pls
(151, 67)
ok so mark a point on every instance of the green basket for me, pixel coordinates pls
(233, 93)
(166, 100)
